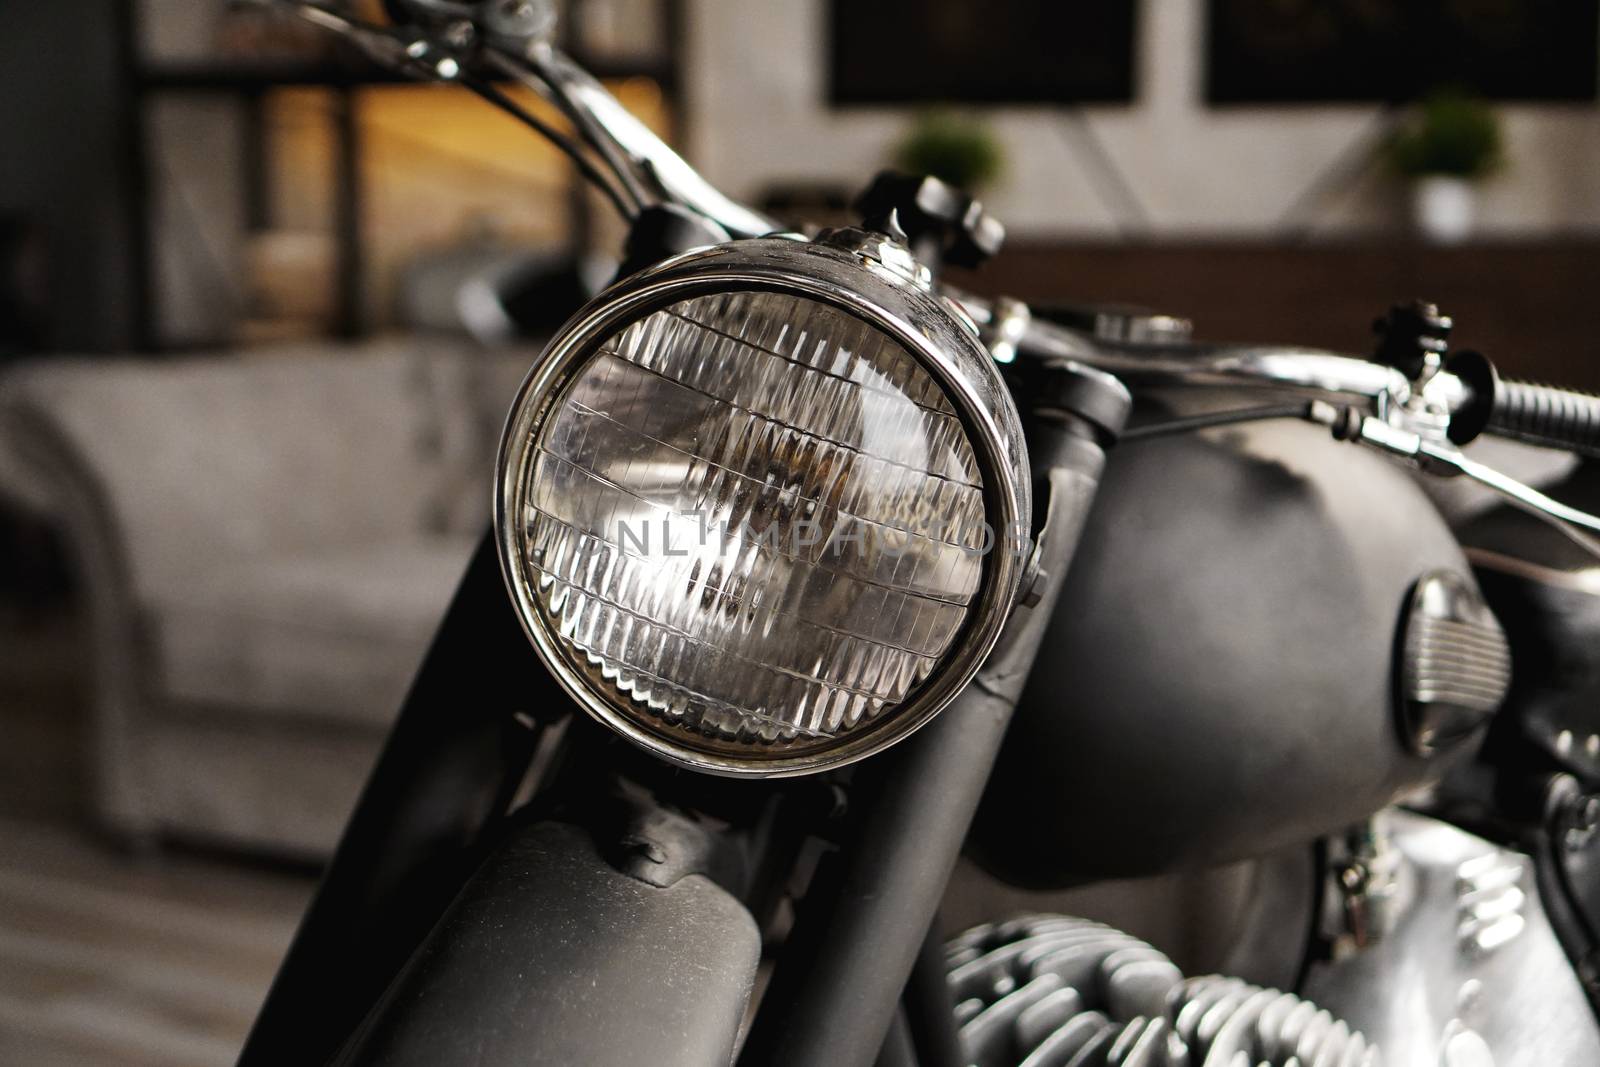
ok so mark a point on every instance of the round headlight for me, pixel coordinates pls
(759, 507)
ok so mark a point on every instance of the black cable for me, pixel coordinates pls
(584, 164)
(582, 122)
(1190, 423)
(482, 168)
(378, 42)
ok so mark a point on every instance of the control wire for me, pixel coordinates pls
(1232, 416)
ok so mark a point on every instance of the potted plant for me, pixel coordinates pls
(1449, 144)
(955, 150)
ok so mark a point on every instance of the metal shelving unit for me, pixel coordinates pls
(344, 73)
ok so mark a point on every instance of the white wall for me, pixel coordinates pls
(757, 114)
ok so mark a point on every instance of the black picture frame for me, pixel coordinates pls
(1022, 52)
(1363, 51)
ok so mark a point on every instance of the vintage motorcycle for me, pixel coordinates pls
(776, 617)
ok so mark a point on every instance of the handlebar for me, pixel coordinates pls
(1546, 415)
(1475, 400)
(1294, 368)
(1420, 421)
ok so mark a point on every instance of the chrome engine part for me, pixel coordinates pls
(1050, 990)
(1462, 965)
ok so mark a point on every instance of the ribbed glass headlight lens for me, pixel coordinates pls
(750, 525)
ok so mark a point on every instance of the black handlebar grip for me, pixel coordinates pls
(1546, 415)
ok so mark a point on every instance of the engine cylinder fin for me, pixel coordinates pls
(1053, 991)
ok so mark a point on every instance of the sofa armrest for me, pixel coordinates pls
(40, 471)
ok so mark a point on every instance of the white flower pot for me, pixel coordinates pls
(1444, 208)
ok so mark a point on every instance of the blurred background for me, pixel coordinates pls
(253, 366)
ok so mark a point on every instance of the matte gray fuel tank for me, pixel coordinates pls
(1219, 679)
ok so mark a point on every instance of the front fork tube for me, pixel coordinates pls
(860, 927)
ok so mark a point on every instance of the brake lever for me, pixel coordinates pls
(1442, 458)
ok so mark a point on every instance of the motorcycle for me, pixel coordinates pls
(809, 571)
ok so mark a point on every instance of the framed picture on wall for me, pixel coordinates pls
(959, 52)
(1330, 51)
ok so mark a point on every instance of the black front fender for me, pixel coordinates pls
(549, 955)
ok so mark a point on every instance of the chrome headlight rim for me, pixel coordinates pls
(945, 345)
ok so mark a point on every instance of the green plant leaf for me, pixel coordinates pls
(959, 151)
(1450, 135)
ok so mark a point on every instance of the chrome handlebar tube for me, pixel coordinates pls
(1293, 368)
(1385, 410)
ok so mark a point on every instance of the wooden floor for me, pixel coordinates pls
(107, 960)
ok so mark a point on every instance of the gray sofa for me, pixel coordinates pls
(265, 544)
